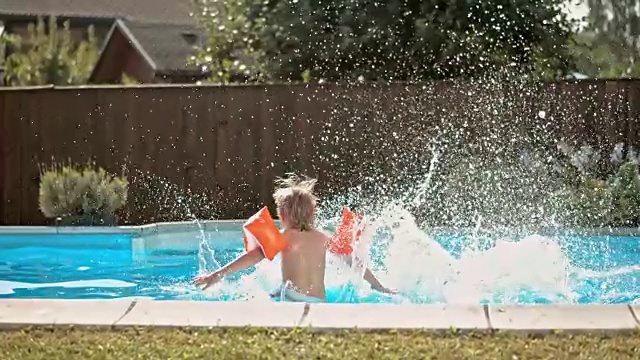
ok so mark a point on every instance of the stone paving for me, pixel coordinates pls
(17, 313)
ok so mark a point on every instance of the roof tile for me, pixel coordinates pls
(169, 46)
(165, 11)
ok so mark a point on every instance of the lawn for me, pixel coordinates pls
(163, 343)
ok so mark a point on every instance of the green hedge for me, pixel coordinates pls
(583, 187)
(158, 343)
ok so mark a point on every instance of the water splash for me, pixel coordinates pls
(206, 255)
(407, 258)
(417, 265)
(424, 187)
(172, 203)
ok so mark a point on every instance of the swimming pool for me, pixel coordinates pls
(448, 268)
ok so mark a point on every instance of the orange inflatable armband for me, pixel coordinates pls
(260, 230)
(342, 240)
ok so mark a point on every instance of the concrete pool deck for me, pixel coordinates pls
(19, 313)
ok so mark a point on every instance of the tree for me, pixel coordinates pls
(50, 56)
(398, 39)
(232, 51)
(609, 46)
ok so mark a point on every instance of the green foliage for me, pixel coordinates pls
(7, 41)
(392, 40)
(493, 193)
(50, 56)
(595, 57)
(574, 187)
(254, 343)
(605, 191)
(128, 80)
(625, 189)
(71, 190)
(609, 46)
(413, 40)
(232, 51)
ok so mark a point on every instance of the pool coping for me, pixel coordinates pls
(140, 230)
(232, 224)
(117, 313)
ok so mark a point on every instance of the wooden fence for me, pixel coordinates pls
(229, 143)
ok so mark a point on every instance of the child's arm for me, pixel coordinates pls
(242, 262)
(370, 277)
(375, 283)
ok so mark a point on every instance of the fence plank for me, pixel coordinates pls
(633, 120)
(3, 154)
(231, 142)
(13, 158)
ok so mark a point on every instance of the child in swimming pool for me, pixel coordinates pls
(303, 259)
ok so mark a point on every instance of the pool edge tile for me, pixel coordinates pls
(222, 225)
(167, 227)
(434, 317)
(150, 229)
(28, 230)
(96, 230)
(227, 225)
(133, 230)
(181, 313)
(635, 312)
(20, 313)
(206, 225)
(567, 318)
(317, 317)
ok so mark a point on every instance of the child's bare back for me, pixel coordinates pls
(304, 260)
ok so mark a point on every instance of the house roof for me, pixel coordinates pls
(165, 47)
(159, 11)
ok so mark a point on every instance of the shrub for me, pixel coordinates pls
(51, 57)
(494, 192)
(72, 190)
(605, 191)
(573, 187)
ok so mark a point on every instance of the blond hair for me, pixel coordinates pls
(296, 201)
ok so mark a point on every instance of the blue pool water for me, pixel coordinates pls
(462, 269)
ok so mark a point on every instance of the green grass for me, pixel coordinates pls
(158, 343)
